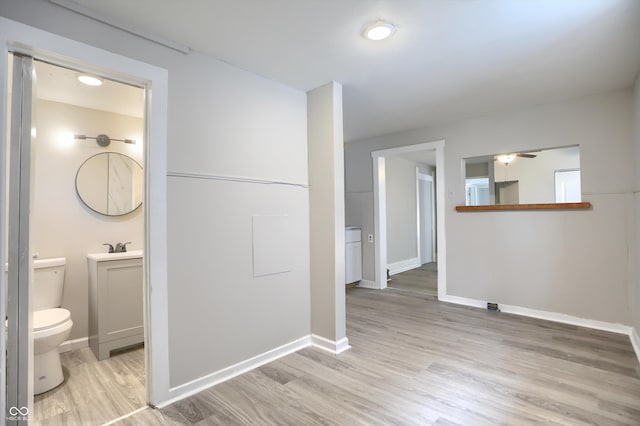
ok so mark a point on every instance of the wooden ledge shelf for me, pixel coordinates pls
(503, 207)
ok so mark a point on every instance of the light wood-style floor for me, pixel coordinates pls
(423, 279)
(416, 361)
(94, 392)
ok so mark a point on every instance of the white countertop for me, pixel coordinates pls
(105, 257)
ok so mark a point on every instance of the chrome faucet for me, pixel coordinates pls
(122, 247)
(110, 247)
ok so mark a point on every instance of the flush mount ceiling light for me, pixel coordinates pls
(90, 80)
(379, 30)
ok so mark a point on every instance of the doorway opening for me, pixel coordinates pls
(85, 189)
(423, 276)
(97, 208)
(410, 251)
(18, 228)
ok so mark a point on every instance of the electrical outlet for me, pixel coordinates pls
(370, 238)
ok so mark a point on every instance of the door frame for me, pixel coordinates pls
(19, 331)
(429, 179)
(380, 211)
(20, 38)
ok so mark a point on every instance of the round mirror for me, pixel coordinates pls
(110, 183)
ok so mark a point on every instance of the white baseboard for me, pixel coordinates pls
(191, 388)
(463, 301)
(566, 319)
(545, 315)
(368, 284)
(342, 345)
(72, 345)
(330, 345)
(403, 265)
(635, 341)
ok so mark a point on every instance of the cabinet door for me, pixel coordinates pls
(120, 298)
(353, 262)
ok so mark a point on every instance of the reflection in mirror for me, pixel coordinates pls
(110, 183)
(527, 177)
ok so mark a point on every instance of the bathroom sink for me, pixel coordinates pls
(102, 257)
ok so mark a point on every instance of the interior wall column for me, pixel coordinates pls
(635, 237)
(327, 216)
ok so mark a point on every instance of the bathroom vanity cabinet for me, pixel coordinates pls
(116, 317)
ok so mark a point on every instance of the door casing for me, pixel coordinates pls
(380, 215)
(23, 39)
(19, 341)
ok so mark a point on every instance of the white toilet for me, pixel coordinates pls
(51, 324)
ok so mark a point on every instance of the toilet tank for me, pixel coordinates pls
(48, 282)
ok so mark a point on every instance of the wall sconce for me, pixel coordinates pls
(104, 140)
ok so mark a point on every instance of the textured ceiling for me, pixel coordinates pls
(449, 59)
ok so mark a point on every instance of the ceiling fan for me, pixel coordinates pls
(508, 158)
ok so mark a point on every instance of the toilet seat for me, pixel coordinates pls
(50, 318)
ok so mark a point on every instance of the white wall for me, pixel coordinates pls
(402, 225)
(635, 238)
(477, 170)
(571, 262)
(62, 225)
(222, 121)
(400, 175)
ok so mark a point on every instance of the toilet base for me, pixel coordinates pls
(47, 371)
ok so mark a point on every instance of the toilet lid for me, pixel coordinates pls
(48, 318)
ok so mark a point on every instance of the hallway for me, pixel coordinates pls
(420, 280)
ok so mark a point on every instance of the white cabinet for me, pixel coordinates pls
(116, 317)
(353, 255)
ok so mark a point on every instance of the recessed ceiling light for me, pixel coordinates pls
(90, 80)
(379, 30)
